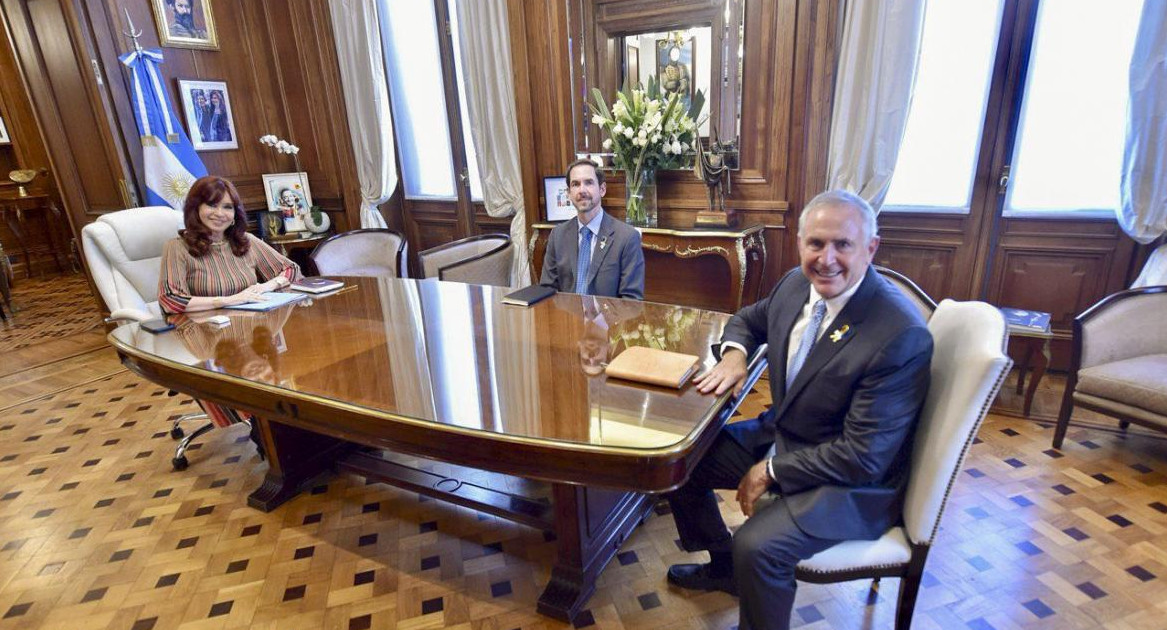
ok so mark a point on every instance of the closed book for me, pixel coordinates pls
(1029, 320)
(528, 295)
(316, 285)
(652, 366)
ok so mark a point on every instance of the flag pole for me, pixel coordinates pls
(133, 33)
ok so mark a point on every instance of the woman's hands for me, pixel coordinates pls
(253, 293)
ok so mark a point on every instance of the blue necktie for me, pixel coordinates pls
(807, 343)
(585, 261)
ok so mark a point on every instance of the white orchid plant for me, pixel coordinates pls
(280, 145)
(647, 131)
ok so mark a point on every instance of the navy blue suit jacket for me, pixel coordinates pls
(844, 431)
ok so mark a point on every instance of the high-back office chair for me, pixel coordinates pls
(366, 252)
(922, 300)
(484, 259)
(124, 252)
(968, 366)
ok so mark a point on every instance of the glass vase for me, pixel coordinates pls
(640, 194)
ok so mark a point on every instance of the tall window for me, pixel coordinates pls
(1066, 148)
(412, 32)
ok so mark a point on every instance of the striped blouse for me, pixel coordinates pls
(217, 274)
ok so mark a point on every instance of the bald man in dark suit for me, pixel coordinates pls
(849, 360)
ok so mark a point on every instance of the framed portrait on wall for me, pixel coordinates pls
(4, 139)
(557, 199)
(185, 24)
(288, 195)
(207, 108)
(674, 67)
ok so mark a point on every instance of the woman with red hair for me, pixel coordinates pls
(214, 262)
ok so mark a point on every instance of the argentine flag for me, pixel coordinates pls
(170, 161)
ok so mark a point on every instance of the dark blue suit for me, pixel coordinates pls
(842, 435)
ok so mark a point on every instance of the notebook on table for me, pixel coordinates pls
(528, 295)
(652, 366)
(316, 285)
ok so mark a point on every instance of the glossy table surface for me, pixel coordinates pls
(453, 357)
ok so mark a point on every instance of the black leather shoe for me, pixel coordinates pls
(699, 577)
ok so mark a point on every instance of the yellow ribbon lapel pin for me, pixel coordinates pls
(839, 333)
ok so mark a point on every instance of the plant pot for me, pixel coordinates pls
(640, 195)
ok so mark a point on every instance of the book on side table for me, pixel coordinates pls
(652, 366)
(316, 285)
(1017, 318)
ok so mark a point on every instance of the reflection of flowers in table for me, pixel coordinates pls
(668, 334)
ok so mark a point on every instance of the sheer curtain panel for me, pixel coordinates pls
(1143, 209)
(873, 91)
(490, 97)
(366, 97)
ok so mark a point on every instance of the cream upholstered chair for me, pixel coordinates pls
(922, 300)
(484, 259)
(1119, 361)
(366, 252)
(968, 366)
(124, 253)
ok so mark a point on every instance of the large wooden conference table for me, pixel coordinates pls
(511, 401)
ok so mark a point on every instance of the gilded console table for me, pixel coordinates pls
(717, 269)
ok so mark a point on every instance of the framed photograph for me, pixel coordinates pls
(288, 195)
(4, 139)
(674, 67)
(185, 24)
(207, 108)
(557, 199)
(271, 225)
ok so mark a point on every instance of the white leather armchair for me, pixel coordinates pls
(124, 253)
(968, 366)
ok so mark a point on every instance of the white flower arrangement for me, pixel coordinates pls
(647, 131)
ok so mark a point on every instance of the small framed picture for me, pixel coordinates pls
(185, 24)
(4, 139)
(207, 108)
(557, 199)
(271, 225)
(288, 195)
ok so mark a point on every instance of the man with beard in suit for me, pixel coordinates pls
(594, 253)
(849, 360)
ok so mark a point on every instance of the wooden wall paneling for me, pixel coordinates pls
(27, 147)
(780, 38)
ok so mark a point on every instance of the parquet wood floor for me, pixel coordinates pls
(96, 531)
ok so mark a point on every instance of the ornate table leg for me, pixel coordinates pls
(590, 526)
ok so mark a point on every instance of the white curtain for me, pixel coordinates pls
(1143, 209)
(366, 95)
(490, 97)
(1154, 273)
(873, 92)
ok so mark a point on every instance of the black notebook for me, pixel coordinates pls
(528, 295)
